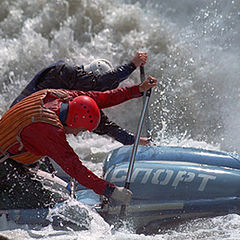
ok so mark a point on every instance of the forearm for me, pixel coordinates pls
(122, 136)
(116, 96)
(113, 130)
(83, 175)
(111, 79)
(124, 71)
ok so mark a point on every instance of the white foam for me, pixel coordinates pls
(193, 49)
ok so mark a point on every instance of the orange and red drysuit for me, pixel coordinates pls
(40, 133)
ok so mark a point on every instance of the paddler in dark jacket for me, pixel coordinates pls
(97, 76)
(37, 127)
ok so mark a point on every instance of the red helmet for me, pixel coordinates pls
(83, 112)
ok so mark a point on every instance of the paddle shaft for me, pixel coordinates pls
(147, 122)
(136, 142)
(72, 188)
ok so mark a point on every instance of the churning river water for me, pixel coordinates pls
(193, 50)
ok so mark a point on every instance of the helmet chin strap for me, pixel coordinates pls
(63, 113)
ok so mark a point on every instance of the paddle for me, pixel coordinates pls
(147, 95)
(147, 122)
(71, 188)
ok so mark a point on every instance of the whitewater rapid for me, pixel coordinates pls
(193, 50)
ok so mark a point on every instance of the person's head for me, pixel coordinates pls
(99, 67)
(83, 114)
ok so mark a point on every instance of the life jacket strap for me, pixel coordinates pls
(4, 157)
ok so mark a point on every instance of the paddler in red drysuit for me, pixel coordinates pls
(99, 75)
(37, 127)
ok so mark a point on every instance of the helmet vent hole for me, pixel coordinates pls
(91, 121)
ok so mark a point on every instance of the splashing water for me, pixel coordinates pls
(193, 50)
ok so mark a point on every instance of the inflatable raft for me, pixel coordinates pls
(168, 184)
